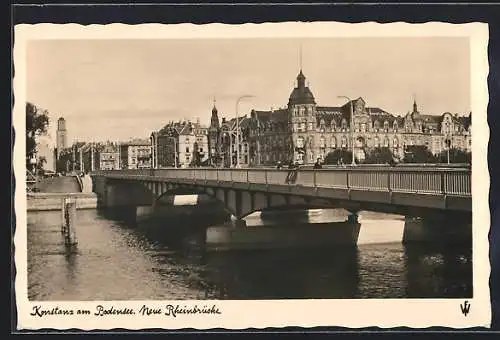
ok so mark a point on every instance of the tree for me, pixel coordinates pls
(37, 121)
(336, 155)
(456, 156)
(196, 161)
(418, 154)
(379, 155)
(40, 164)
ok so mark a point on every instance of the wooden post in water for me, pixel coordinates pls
(69, 221)
(63, 215)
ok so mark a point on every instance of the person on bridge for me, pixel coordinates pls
(87, 183)
(318, 165)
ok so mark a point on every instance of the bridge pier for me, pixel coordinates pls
(438, 229)
(238, 222)
(239, 236)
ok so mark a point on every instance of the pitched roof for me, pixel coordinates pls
(136, 142)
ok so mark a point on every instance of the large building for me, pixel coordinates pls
(222, 141)
(108, 156)
(180, 144)
(135, 154)
(304, 131)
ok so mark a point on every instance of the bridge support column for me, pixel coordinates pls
(238, 222)
(443, 229)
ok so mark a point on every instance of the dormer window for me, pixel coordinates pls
(395, 126)
(376, 125)
(386, 125)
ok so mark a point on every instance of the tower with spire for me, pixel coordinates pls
(302, 116)
(213, 136)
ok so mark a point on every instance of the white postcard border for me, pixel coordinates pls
(418, 313)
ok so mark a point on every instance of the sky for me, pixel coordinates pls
(120, 89)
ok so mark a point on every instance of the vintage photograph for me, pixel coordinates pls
(230, 167)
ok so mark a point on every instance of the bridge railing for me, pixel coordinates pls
(432, 181)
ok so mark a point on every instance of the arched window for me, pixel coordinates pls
(395, 142)
(322, 142)
(300, 142)
(386, 125)
(377, 142)
(333, 125)
(386, 142)
(376, 125)
(395, 126)
(333, 142)
(344, 124)
(344, 141)
(363, 127)
(310, 126)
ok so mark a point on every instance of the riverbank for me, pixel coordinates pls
(44, 201)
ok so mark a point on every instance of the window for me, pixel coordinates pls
(386, 142)
(344, 141)
(386, 125)
(300, 142)
(395, 142)
(322, 142)
(363, 127)
(344, 124)
(187, 149)
(334, 142)
(377, 142)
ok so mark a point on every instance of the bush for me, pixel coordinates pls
(335, 156)
(379, 155)
(456, 156)
(418, 154)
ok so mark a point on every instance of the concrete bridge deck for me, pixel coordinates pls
(372, 188)
(438, 198)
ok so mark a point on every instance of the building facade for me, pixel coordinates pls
(180, 144)
(304, 131)
(108, 156)
(135, 154)
(193, 145)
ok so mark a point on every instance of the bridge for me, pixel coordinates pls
(440, 194)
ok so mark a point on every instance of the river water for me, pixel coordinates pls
(117, 260)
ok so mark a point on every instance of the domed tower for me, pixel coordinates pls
(213, 136)
(61, 135)
(302, 117)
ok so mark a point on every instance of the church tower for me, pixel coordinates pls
(61, 136)
(213, 136)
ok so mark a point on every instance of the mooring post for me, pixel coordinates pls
(69, 208)
(63, 215)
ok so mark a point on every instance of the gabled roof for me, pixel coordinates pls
(136, 142)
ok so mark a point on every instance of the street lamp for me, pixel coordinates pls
(352, 129)
(238, 129)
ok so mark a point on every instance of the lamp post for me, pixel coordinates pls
(352, 128)
(238, 129)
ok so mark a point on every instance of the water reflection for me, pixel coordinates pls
(120, 259)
